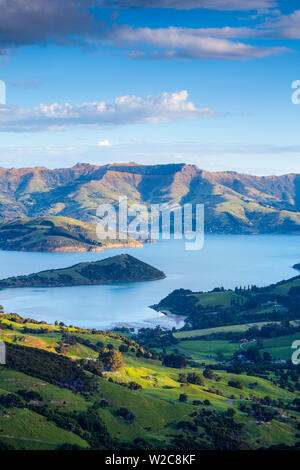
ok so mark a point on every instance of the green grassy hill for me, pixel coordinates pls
(120, 268)
(45, 412)
(215, 299)
(54, 234)
(220, 307)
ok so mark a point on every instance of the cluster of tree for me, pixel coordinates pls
(52, 368)
(71, 340)
(270, 330)
(14, 317)
(156, 338)
(126, 414)
(284, 379)
(179, 301)
(259, 411)
(11, 401)
(35, 331)
(240, 311)
(94, 366)
(176, 361)
(112, 359)
(5, 326)
(236, 384)
(5, 446)
(123, 330)
(86, 424)
(208, 430)
(191, 378)
(209, 374)
(131, 385)
(145, 353)
(30, 395)
(285, 374)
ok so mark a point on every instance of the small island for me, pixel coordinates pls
(297, 266)
(120, 268)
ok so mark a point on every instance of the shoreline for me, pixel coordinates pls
(84, 284)
(88, 249)
(172, 316)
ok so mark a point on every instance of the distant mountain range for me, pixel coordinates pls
(234, 203)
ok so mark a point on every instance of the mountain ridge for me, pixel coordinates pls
(234, 202)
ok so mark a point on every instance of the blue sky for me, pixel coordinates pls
(151, 85)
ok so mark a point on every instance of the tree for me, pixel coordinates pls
(128, 415)
(230, 412)
(267, 356)
(195, 379)
(183, 378)
(11, 401)
(174, 360)
(183, 398)
(236, 384)
(208, 373)
(104, 403)
(113, 360)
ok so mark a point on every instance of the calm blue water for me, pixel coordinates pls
(225, 260)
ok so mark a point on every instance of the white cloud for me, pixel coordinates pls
(188, 43)
(127, 109)
(104, 143)
(36, 22)
(284, 26)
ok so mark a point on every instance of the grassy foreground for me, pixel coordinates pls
(138, 402)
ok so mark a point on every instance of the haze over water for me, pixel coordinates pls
(225, 260)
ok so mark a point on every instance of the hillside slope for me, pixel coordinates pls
(54, 234)
(120, 268)
(55, 391)
(234, 203)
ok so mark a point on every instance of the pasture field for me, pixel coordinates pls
(214, 299)
(155, 406)
(221, 329)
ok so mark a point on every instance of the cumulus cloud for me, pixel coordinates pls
(127, 109)
(192, 4)
(104, 143)
(188, 43)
